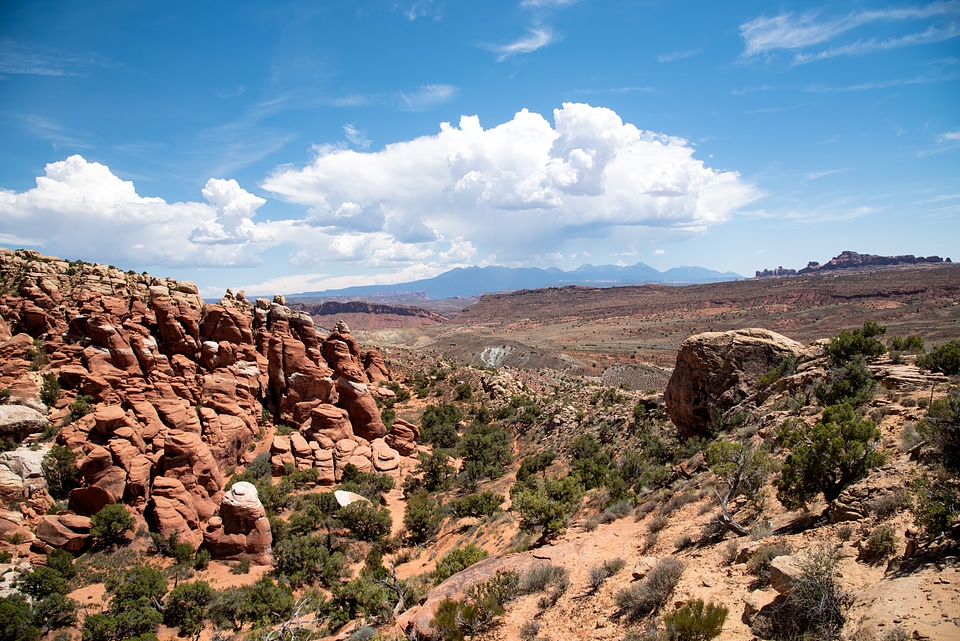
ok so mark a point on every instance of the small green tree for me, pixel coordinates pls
(840, 449)
(49, 389)
(850, 383)
(941, 428)
(109, 525)
(546, 504)
(186, 607)
(438, 425)
(59, 467)
(859, 342)
(943, 358)
(457, 560)
(741, 471)
(364, 521)
(422, 517)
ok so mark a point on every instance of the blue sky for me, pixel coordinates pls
(308, 145)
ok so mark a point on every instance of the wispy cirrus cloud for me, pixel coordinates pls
(356, 137)
(947, 141)
(536, 38)
(420, 9)
(418, 98)
(425, 96)
(677, 55)
(527, 4)
(19, 58)
(792, 32)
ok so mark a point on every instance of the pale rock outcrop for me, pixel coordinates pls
(784, 573)
(21, 473)
(717, 370)
(241, 528)
(19, 421)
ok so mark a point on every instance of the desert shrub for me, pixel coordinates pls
(202, 559)
(786, 367)
(887, 505)
(696, 621)
(241, 567)
(457, 560)
(61, 561)
(837, 451)
(59, 467)
(486, 451)
(942, 358)
(463, 392)
(759, 563)
(600, 573)
(880, 544)
(435, 473)
(529, 630)
(476, 505)
(658, 523)
(911, 344)
(682, 542)
(422, 516)
(617, 510)
(546, 504)
(438, 425)
(590, 462)
(813, 609)
(936, 504)
(186, 607)
(305, 560)
(652, 593)
(534, 464)
(261, 467)
(454, 620)
(49, 389)
(850, 383)
(369, 484)
(845, 532)
(541, 577)
(859, 342)
(402, 394)
(80, 407)
(109, 525)
(729, 552)
(941, 428)
(365, 521)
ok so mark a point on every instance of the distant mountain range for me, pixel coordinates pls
(468, 282)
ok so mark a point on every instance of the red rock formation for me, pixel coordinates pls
(241, 529)
(179, 387)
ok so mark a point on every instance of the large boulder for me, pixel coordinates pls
(67, 531)
(241, 530)
(172, 509)
(19, 421)
(717, 370)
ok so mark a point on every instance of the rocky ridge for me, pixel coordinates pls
(850, 260)
(176, 391)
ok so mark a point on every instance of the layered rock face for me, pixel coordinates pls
(717, 370)
(179, 390)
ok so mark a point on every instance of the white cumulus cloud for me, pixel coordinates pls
(520, 188)
(81, 208)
